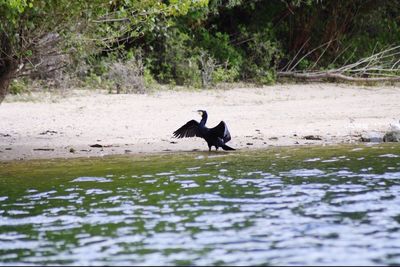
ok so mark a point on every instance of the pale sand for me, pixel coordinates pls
(279, 115)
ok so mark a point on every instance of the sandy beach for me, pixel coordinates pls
(91, 123)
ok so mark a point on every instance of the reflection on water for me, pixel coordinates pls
(307, 206)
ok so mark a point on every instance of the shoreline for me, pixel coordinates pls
(29, 153)
(95, 124)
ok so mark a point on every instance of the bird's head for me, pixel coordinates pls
(202, 113)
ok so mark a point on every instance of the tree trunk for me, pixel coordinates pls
(8, 66)
(7, 72)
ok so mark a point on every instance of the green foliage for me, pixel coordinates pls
(18, 86)
(222, 74)
(11, 9)
(197, 43)
(266, 78)
(120, 72)
(332, 33)
(221, 48)
(304, 64)
(149, 80)
(376, 30)
(262, 53)
(176, 60)
(93, 81)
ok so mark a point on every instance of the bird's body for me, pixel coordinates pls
(217, 136)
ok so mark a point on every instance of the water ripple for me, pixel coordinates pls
(92, 179)
(320, 209)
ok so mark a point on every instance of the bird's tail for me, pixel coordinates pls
(225, 147)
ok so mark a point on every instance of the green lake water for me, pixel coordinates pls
(331, 205)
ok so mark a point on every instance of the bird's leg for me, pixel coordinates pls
(209, 148)
(216, 148)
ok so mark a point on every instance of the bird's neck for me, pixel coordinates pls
(203, 120)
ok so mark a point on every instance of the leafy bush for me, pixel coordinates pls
(176, 60)
(222, 74)
(267, 78)
(149, 80)
(18, 86)
(126, 77)
(220, 47)
(263, 53)
(120, 72)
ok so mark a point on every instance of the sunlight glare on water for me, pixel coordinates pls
(283, 206)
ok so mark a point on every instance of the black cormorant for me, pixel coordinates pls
(217, 136)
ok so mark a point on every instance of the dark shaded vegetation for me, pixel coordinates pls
(127, 47)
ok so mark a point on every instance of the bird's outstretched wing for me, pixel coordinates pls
(190, 129)
(221, 131)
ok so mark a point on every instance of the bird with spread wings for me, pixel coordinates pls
(217, 136)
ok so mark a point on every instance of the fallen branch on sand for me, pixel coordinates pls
(383, 66)
(335, 76)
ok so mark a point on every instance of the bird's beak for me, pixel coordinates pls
(200, 112)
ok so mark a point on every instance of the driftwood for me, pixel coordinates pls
(335, 76)
(383, 66)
